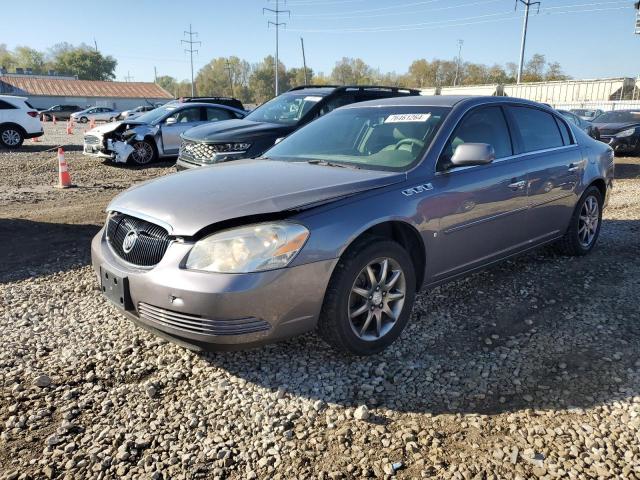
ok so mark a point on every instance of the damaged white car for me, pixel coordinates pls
(155, 134)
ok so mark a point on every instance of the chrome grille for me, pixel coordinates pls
(91, 140)
(149, 247)
(197, 324)
(200, 152)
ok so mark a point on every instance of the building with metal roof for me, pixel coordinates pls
(44, 91)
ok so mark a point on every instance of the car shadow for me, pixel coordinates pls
(540, 332)
(32, 249)
(627, 168)
(163, 163)
(29, 147)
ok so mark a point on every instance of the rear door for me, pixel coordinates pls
(482, 209)
(555, 164)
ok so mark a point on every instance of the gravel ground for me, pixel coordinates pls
(528, 370)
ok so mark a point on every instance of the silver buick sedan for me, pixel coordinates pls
(339, 225)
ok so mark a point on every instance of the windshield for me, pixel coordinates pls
(380, 138)
(286, 109)
(618, 117)
(155, 114)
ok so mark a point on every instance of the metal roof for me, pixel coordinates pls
(56, 87)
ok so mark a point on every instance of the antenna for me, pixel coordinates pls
(527, 4)
(191, 51)
(277, 24)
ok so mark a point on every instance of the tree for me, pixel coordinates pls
(225, 76)
(534, 69)
(86, 63)
(6, 57)
(352, 71)
(26, 57)
(262, 80)
(554, 72)
(296, 76)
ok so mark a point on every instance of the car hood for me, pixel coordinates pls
(112, 127)
(194, 199)
(615, 127)
(235, 131)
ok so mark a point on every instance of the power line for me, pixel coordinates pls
(276, 24)
(191, 51)
(128, 77)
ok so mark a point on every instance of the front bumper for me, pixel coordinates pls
(625, 144)
(218, 311)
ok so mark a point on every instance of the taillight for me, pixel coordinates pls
(32, 114)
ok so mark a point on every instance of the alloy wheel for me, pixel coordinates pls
(376, 299)
(588, 221)
(142, 153)
(10, 137)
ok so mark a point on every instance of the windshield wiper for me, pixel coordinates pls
(330, 164)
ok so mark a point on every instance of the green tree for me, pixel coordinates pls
(296, 76)
(27, 57)
(554, 72)
(225, 76)
(352, 71)
(262, 80)
(86, 63)
(6, 57)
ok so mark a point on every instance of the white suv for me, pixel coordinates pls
(18, 120)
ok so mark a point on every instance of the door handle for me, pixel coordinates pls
(573, 167)
(518, 185)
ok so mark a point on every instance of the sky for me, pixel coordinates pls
(590, 39)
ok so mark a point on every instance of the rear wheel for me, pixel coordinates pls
(369, 298)
(584, 229)
(84, 119)
(11, 137)
(143, 153)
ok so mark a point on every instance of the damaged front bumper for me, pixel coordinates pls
(115, 150)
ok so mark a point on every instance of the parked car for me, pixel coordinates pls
(587, 114)
(621, 130)
(153, 134)
(61, 112)
(337, 226)
(585, 126)
(98, 114)
(228, 101)
(18, 120)
(271, 122)
(135, 112)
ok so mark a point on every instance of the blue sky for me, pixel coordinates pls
(589, 38)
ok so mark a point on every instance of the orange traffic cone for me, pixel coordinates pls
(43, 118)
(35, 140)
(69, 127)
(92, 123)
(54, 120)
(64, 179)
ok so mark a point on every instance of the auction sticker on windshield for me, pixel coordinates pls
(407, 117)
(312, 99)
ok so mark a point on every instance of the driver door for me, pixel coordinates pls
(172, 127)
(481, 208)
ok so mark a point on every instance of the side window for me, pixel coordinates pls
(5, 105)
(337, 102)
(482, 125)
(564, 131)
(538, 129)
(187, 115)
(216, 114)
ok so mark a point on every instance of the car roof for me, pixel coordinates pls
(14, 97)
(312, 91)
(440, 101)
(182, 105)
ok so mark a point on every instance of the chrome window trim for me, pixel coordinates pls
(511, 157)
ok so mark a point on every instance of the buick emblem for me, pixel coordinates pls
(129, 241)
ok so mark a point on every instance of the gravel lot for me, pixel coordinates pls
(528, 370)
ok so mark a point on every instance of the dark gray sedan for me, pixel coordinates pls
(339, 225)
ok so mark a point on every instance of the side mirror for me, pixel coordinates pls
(170, 121)
(468, 154)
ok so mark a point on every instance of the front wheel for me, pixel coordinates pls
(369, 297)
(584, 229)
(143, 153)
(84, 119)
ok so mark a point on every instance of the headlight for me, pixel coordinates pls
(255, 248)
(627, 133)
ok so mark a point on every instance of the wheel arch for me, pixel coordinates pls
(601, 185)
(403, 233)
(17, 126)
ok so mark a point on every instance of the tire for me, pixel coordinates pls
(151, 154)
(577, 241)
(340, 324)
(112, 119)
(83, 120)
(11, 136)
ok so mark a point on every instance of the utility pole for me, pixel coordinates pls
(155, 74)
(95, 43)
(527, 4)
(228, 69)
(637, 6)
(455, 80)
(128, 78)
(191, 51)
(304, 62)
(277, 24)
